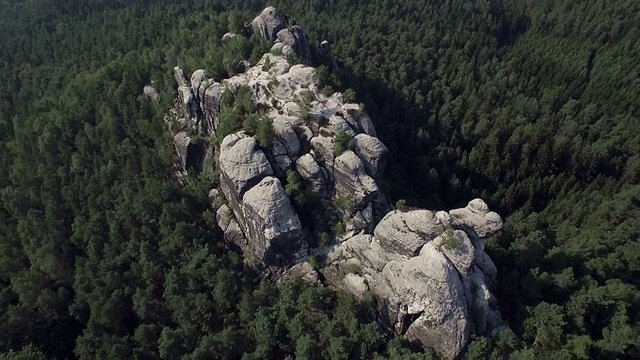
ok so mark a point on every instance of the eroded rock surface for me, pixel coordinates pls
(242, 164)
(351, 179)
(276, 232)
(477, 217)
(434, 281)
(372, 152)
(405, 233)
(268, 23)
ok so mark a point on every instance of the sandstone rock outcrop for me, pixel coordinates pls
(428, 270)
(372, 152)
(351, 179)
(295, 42)
(312, 173)
(268, 23)
(151, 93)
(405, 233)
(434, 282)
(242, 164)
(276, 232)
(477, 217)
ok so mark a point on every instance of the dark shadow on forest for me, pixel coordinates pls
(397, 124)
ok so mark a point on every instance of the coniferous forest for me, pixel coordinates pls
(533, 106)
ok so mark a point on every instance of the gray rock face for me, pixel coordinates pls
(356, 284)
(180, 76)
(215, 199)
(373, 154)
(228, 36)
(432, 273)
(242, 164)
(430, 288)
(477, 217)
(211, 106)
(284, 132)
(272, 221)
(366, 124)
(295, 42)
(197, 78)
(323, 147)
(151, 93)
(283, 161)
(337, 125)
(258, 201)
(301, 75)
(291, 109)
(181, 141)
(268, 23)
(405, 233)
(302, 270)
(458, 249)
(189, 103)
(367, 249)
(351, 179)
(311, 172)
(232, 233)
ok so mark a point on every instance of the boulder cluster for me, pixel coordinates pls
(428, 270)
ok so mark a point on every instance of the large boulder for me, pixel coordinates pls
(280, 155)
(434, 280)
(242, 164)
(295, 42)
(232, 233)
(366, 124)
(430, 291)
(301, 76)
(477, 217)
(367, 249)
(351, 179)
(458, 249)
(372, 152)
(301, 270)
(197, 78)
(337, 125)
(228, 36)
(151, 93)
(180, 76)
(405, 233)
(211, 106)
(189, 102)
(274, 226)
(181, 142)
(268, 23)
(324, 149)
(284, 131)
(312, 174)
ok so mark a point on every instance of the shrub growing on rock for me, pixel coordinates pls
(343, 142)
(349, 96)
(265, 132)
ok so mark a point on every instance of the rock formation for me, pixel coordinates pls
(268, 23)
(433, 280)
(427, 269)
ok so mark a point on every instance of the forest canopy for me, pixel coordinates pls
(531, 105)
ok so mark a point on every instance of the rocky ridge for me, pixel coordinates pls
(427, 269)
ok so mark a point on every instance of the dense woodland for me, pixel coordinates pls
(531, 105)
